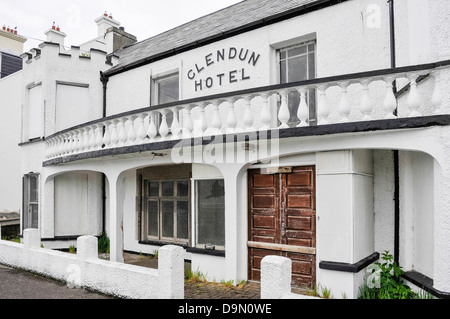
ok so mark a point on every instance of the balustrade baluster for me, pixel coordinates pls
(390, 102)
(414, 101)
(323, 111)
(436, 99)
(366, 105)
(201, 124)
(114, 133)
(265, 112)
(75, 142)
(248, 113)
(163, 127)
(187, 121)
(122, 132)
(107, 135)
(98, 136)
(131, 132)
(303, 108)
(152, 130)
(86, 138)
(92, 137)
(344, 105)
(176, 127)
(141, 132)
(284, 114)
(216, 121)
(230, 125)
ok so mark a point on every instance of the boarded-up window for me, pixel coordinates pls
(71, 204)
(72, 105)
(34, 119)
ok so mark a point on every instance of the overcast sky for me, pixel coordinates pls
(142, 18)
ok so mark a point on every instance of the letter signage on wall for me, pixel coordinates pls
(200, 78)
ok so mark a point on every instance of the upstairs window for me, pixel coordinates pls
(298, 63)
(166, 89)
(33, 113)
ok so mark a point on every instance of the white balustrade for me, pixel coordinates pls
(256, 112)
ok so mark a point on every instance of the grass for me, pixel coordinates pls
(103, 244)
(15, 238)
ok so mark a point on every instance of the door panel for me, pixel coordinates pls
(282, 212)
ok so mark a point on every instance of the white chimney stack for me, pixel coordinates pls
(105, 22)
(55, 35)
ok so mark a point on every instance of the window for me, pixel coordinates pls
(298, 63)
(166, 89)
(166, 210)
(31, 201)
(210, 222)
(34, 119)
(72, 105)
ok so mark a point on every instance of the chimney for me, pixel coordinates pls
(105, 22)
(55, 35)
(11, 42)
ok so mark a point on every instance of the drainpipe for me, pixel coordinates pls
(104, 80)
(396, 155)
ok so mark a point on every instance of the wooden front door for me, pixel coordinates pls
(282, 221)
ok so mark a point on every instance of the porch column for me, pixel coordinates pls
(441, 276)
(47, 215)
(116, 196)
(235, 221)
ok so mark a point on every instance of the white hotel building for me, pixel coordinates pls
(316, 130)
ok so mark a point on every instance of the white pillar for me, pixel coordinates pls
(276, 274)
(171, 272)
(116, 195)
(235, 220)
(441, 278)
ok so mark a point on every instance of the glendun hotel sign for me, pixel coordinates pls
(233, 75)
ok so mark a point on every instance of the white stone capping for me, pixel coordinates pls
(88, 271)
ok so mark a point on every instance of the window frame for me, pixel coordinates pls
(196, 203)
(27, 212)
(146, 198)
(156, 82)
(312, 94)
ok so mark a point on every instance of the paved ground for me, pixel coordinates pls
(17, 284)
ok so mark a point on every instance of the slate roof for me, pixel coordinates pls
(9, 64)
(224, 22)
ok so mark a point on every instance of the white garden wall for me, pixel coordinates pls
(87, 271)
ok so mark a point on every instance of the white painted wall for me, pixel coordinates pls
(345, 215)
(11, 187)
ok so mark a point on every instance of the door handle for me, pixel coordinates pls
(283, 228)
